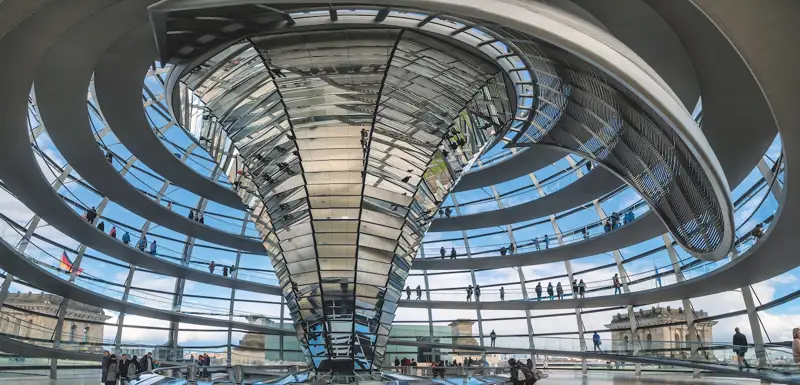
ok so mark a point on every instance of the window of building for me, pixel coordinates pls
(72, 330)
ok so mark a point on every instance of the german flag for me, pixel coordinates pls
(66, 264)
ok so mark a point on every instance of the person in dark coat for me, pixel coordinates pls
(106, 356)
(740, 348)
(136, 365)
(146, 363)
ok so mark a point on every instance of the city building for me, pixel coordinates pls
(34, 316)
(661, 332)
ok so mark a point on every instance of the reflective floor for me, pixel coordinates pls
(86, 377)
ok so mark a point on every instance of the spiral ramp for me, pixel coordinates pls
(705, 46)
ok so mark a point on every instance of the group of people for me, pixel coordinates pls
(405, 362)
(125, 368)
(510, 250)
(613, 221)
(578, 290)
(91, 215)
(545, 239)
(453, 253)
(419, 292)
(202, 360)
(225, 269)
(476, 290)
(196, 217)
(445, 212)
(523, 374)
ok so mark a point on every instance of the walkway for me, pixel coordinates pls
(520, 164)
(772, 376)
(118, 83)
(67, 103)
(641, 229)
(23, 267)
(595, 184)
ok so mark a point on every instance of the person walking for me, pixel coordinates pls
(546, 242)
(536, 243)
(111, 370)
(617, 286)
(225, 271)
(142, 243)
(629, 217)
(538, 289)
(408, 292)
(191, 214)
(796, 345)
(202, 220)
(512, 248)
(211, 267)
(550, 290)
(493, 337)
(757, 232)
(442, 252)
(585, 232)
(740, 348)
(419, 292)
(113, 232)
(109, 157)
(559, 291)
(503, 251)
(207, 363)
(582, 289)
(575, 289)
(502, 294)
(453, 253)
(478, 293)
(91, 215)
(153, 248)
(101, 226)
(126, 238)
(396, 362)
(469, 293)
(596, 342)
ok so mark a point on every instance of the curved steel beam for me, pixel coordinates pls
(118, 81)
(61, 83)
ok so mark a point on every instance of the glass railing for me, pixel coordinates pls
(543, 242)
(495, 159)
(776, 358)
(639, 281)
(517, 197)
(11, 232)
(148, 298)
